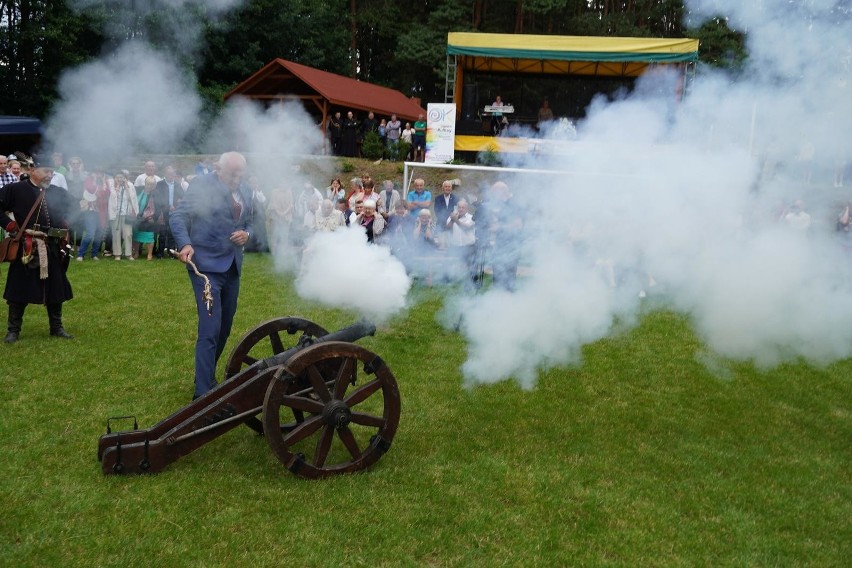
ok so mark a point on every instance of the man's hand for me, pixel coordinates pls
(186, 253)
(239, 237)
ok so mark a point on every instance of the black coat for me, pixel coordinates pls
(23, 283)
(161, 202)
(350, 137)
(442, 211)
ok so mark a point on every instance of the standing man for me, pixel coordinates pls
(257, 243)
(75, 179)
(37, 275)
(150, 170)
(420, 197)
(335, 133)
(370, 124)
(445, 204)
(497, 117)
(350, 135)
(167, 195)
(393, 131)
(210, 226)
(58, 163)
(419, 139)
(499, 227)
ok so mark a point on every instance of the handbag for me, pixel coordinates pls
(145, 219)
(10, 246)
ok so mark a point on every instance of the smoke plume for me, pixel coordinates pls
(722, 207)
(341, 269)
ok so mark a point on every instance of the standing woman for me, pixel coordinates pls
(279, 216)
(123, 209)
(407, 137)
(383, 134)
(100, 181)
(144, 234)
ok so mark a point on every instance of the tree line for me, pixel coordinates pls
(397, 44)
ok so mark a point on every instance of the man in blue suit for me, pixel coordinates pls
(210, 226)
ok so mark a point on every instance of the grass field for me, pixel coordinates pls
(641, 456)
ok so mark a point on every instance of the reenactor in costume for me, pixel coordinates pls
(37, 274)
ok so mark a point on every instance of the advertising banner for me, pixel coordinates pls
(440, 132)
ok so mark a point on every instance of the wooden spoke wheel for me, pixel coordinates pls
(267, 340)
(263, 342)
(350, 404)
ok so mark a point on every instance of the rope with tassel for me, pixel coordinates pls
(207, 292)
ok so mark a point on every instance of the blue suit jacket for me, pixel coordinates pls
(204, 219)
(443, 211)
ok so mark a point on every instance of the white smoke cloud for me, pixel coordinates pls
(275, 139)
(133, 101)
(687, 203)
(341, 269)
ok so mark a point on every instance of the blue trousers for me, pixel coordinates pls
(213, 328)
(93, 234)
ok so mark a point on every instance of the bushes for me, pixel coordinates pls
(371, 147)
(404, 149)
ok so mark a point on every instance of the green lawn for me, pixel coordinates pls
(641, 456)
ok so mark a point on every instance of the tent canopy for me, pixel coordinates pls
(576, 55)
(17, 125)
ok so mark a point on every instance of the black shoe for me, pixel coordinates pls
(11, 337)
(60, 332)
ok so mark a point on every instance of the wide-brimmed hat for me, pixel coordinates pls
(39, 162)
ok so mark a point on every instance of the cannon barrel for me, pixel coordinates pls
(349, 334)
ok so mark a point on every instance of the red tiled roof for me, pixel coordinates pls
(301, 80)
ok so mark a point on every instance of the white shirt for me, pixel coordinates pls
(59, 181)
(140, 180)
(464, 231)
(310, 220)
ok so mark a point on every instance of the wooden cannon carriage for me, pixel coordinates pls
(324, 404)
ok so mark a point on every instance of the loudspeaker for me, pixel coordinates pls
(470, 101)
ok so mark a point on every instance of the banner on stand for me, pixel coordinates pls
(440, 132)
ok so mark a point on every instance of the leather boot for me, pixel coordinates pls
(54, 316)
(16, 320)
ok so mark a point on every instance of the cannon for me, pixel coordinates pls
(324, 404)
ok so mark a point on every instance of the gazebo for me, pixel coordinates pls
(324, 93)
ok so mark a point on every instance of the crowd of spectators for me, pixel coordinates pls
(110, 216)
(446, 236)
(398, 140)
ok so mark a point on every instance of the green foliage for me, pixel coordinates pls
(489, 157)
(372, 147)
(404, 149)
(400, 45)
(347, 167)
(304, 31)
(649, 452)
(38, 40)
(720, 45)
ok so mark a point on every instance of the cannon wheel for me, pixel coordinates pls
(353, 406)
(256, 343)
(242, 355)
